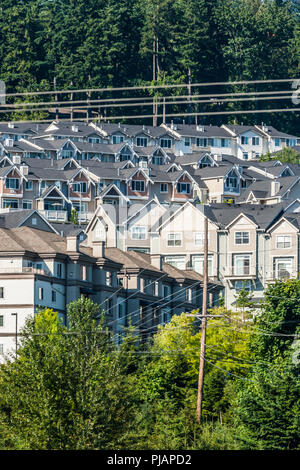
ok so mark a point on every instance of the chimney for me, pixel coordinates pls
(24, 170)
(275, 186)
(156, 261)
(72, 243)
(98, 249)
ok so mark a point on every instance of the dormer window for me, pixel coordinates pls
(244, 140)
(166, 143)
(80, 187)
(117, 139)
(138, 185)
(184, 188)
(12, 183)
(141, 141)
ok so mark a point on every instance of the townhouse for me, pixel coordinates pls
(50, 271)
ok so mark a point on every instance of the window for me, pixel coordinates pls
(184, 188)
(283, 268)
(166, 291)
(156, 288)
(12, 183)
(10, 203)
(238, 285)
(43, 184)
(166, 143)
(29, 185)
(283, 241)
(59, 269)
(83, 272)
(231, 182)
(187, 141)
(138, 233)
(201, 142)
(176, 261)
(117, 139)
(199, 238)
(174, 239)
(1, 320)
(99, 232)
(165, 314)
(1, 292)
(138, 185)
(189, 295)
(34, 221)
(245, 155)
(255, 140)
(225, 143)
(198, 261)
(241, 265)
(163, 187)
(157, 160)
(41, 293)
(27, 204)
(53, 295)
(108, 278)
(241, 238)
(79, 187)
(277, 142)
(244, 140)
(141, 141)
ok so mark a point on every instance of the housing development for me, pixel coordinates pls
(140, 195)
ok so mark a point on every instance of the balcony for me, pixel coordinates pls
(240, 272)
(25, 270)
(85, 216)
(231, 190)
(281, 275)
(55, 216)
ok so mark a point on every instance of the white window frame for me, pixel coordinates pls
(242, 242)
(11, 183)
(173, 237)
(166, 143)
(134, 184)
(138, 232)
(289, 264)
(286, 244)
(27, 201)
(180, 187)
(200, 260)
(199, 238)
(29, 185)
(142, 141)
(237, 269)
(163, 185)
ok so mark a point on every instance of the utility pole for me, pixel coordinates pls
(189, 95)
(203, 324)
(56, 110)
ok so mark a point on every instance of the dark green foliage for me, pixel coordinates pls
(97, 43)
(66, 390)
(74, 216)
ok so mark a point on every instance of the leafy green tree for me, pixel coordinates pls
(65, 390)
(74, 216)
(268, 405)
(244, 301)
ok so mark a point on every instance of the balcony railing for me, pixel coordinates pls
(85, 216)
(240, 271)
(25, 270)
(59, 216)
(230, 189)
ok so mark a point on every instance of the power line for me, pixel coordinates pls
(149, 87)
